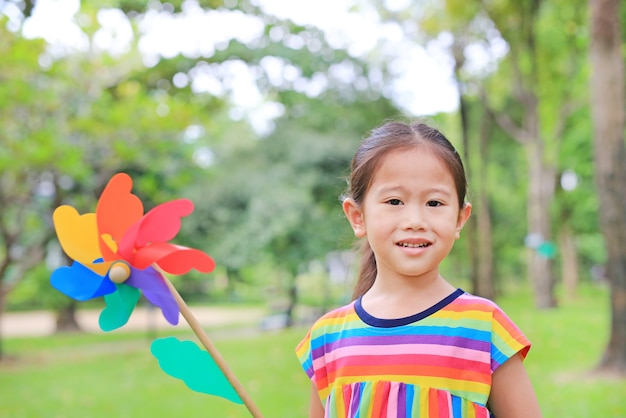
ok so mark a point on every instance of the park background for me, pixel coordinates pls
(252, 110)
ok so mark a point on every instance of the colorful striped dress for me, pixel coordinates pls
(437, 363)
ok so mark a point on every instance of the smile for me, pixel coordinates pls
(408, 245)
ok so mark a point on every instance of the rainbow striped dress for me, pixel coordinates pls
(437, 363)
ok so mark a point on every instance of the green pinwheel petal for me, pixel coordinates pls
(119, 307)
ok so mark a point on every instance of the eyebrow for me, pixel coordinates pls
(441, 190)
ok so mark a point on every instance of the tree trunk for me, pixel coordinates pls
(569, 260)
(66, 318)
(293, 302)
(485, 285)
(470, 229)
(2, 301)
(607, 105)
(540, 196)
(478, 227)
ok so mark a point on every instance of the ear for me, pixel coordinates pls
(355, 217)
(464, 215)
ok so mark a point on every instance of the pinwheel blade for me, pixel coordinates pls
(156, 291)
(119, 307)
(78, 234)
(80, 283)
(162, 223)
(117, 210)
(173, 259)
(184, 360)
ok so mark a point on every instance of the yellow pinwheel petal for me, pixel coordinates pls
(78, 234)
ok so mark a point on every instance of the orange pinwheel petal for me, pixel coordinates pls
(117, 210)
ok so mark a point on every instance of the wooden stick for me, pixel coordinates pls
(212, 350)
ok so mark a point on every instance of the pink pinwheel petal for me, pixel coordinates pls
(157, 226)
(126, 248)
(173, 259)
(153, 287)
(162, 223)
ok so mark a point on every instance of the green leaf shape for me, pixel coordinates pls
(184, 360)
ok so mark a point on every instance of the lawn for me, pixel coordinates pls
(114, 375)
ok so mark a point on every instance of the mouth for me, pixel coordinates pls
(413, 245)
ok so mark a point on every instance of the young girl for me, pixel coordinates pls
(411, 344)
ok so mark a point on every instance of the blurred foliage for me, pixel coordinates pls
(267, 204)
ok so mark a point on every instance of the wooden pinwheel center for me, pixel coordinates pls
(119, 272)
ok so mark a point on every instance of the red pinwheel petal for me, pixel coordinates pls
(173, 259)
(117, 210)
(186, 259)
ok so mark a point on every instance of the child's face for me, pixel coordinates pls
(410, 214)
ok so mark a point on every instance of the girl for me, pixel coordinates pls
(411, 344)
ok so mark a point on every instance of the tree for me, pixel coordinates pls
(87, 118)
(608, 102)
(538, 109)
(26, 190)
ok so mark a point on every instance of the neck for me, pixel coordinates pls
(401, 298)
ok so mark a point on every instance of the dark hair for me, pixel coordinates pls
(394, 136)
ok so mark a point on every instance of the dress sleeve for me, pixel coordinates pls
(310, 353)
(506, 339)
(305, 355)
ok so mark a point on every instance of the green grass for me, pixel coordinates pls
(568, 342)
(99, 376)
(114, 375)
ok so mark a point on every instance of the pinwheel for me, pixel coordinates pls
(119, 252)
(114, 251)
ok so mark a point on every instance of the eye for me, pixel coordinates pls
(434, 203)
(394, 202)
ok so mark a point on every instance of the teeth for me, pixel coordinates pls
(406, 244)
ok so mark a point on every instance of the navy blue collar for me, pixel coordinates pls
(398, 322)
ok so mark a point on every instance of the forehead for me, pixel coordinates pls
(412, 167)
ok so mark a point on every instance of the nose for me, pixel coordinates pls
(414, 218)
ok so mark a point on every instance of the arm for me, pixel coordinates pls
(316, 410)
(512, 394)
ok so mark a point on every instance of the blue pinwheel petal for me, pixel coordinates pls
(79, 282)
(156, 291)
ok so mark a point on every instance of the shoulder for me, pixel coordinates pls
(483, 309)
(328, 323)
(470, 304)
(507, 337)
(336, 315)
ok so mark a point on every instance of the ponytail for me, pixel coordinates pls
(367, 270)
